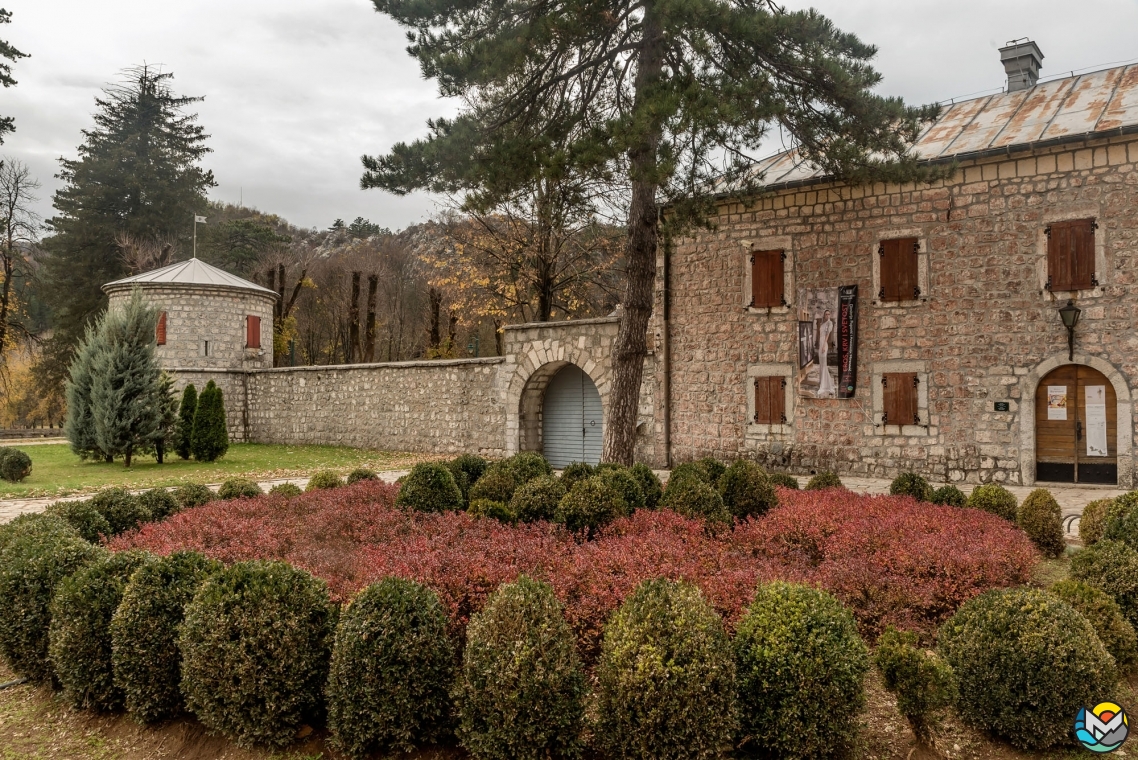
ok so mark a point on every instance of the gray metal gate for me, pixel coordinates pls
(571, 419)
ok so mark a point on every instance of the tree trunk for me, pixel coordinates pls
(631, 347)
(435, 299)
(127, 456)
(354, 321)
(369, 335)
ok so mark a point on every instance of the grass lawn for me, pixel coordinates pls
(56, 471)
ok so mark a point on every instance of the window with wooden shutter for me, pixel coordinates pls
(899, 390)
(899, 270)
(1071, 255)
(252, 332)
(160, 330)
(770, 400)
(767, 279)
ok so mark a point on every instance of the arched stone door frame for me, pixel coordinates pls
(526, 393)
(1029, 384)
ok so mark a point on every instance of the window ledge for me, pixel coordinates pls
(908, 431)
(1095, 292)
(768, 310)
(755, 430)
(899, 304)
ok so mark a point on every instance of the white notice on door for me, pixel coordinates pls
(1096, 421)
(1056, 402)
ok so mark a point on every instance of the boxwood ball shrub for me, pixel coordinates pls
(911, 484)
(15, 465)
(1104, 615)
(537, 499)
(159, 502)
(495, 510)
(1025, 662)
(467, 469)
(430, 488)
(800, 665)
(949, 496)
(994, 498)
(714, 469)
(527, 465)
(392, 668)
(591, 505)
(82, 516)
(1112, 567)
(255, 644)
(665, 683)
(574, 473)
(521, 688)
(496, 484)
(620, 479)
(287, 490)
(238, 488)
(746, 490)
(193, 495)
(1121, 522)
(783, 480)
(323, 479)
(79, 639)
(696, 498)
(1093, 520)
(922, 682)
(1042, 520)
(649, 484)
(361, 473)
(824, 479)
(682, 472)
(145, 654)
(123, 510)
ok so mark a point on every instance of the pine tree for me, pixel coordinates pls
(138, 175)
(210, 438)
(79, 427)
(7, 123)
(186, 420)
(670, 97)
(126, 392)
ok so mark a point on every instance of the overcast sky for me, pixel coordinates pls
(296, 90)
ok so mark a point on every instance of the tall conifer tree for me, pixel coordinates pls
(186, 420)
(7, 53)
(210, 439)
(79, 426)
(671, 95)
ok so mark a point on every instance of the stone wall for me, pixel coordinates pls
(984, 329)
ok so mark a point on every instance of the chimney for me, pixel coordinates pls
(1022, 59)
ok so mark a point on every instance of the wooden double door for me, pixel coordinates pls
(1076, 427)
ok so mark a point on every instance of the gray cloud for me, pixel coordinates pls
(296, 90)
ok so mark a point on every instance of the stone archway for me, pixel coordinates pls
(530, 399)
(1125, 437)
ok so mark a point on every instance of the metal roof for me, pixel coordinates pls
(1096, 104)
(193, 272)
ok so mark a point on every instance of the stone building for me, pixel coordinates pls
(884, 328)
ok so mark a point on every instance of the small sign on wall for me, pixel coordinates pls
(1003, 406)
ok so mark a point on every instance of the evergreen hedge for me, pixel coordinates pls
(84, 517)
(591, 505)
(783, 480)
(193, 495)
(746, 490)
(922, 682)
(493, 509)
(824, 479)
(1105, 616)
(1112, 567)
(186, 411)
(287, 490)
(527, 465)
(239, 488)
(15, 465)
(361, 473)
(430, 488)
(122, 509)
(994, 498)
(650, 485)
(714, 469)
(621, 480)
(159, 502)
(574, 473)
(949, 496)
(323, 479)
(692, 497)
(911, 484)
(537, 499)
(1093, 520)
(467, 469)
(210, 437)
(1042, 520)
(496, 484)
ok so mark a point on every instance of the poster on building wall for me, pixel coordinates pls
(847, 341)
(1096, 421)
(818, 310)
(1056, 402)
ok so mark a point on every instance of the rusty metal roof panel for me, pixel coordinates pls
(1123, 108)
(948, 127)
(1084, 106)
(986, 127)
(1037, 111)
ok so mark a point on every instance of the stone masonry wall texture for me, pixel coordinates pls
(980, 332)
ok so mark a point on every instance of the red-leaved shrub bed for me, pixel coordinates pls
(892, 560)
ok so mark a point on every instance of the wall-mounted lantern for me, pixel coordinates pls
(1070, 316)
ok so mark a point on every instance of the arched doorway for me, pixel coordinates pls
(1076, 426)
(572, 421)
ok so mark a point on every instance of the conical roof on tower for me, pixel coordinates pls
(192, 273)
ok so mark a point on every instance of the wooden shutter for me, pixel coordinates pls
(252, 332)
(899, 269)
(899, 390)
(160, 330)
(770, 400)
(766, 279)
(1071, 255)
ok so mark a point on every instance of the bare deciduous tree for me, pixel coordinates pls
(20, 230)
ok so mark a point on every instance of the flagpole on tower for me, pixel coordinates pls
(197, 219)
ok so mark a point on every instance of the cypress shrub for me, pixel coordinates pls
(665, 684)
(949, 496)
(496, 484)
(994, 498)
(574, 473)
(527, 465)
(493, 509)
(256, 644)
(82, 516)
(159, 502)
(239, 488)
(15, 465)
(361, 473)
(193, 495)
(620, 479)
(1093, 520)
(79, 638)
(79, 426)
(145, 651)
(37, 553)
(186, 412)
(323, 479)
(649, 484)
(392, 667)
(1105, 616)
(123, 510)
(210, 437)
(911, 484)
(1112, 567)
(287, 490)
(824, 479)
(923, 684)
(521, 689)
(1042, 520)
(783, 480)
(746, 490)
(801, 666)
(1025, 662)
(591, 505)
(714, 469)
(696, 498)
(430, 488)
(537, 499)
(467, 469)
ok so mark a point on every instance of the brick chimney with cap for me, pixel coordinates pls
(1022, 59)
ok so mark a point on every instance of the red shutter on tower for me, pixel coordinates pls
(252, 332)
(899, 390)
(766, 279)
(1071, 255)
(899, 269)
(770, 400)
(160, 331)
